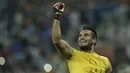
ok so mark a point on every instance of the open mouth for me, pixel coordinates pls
(82, 41)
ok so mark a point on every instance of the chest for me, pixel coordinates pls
(91, 64)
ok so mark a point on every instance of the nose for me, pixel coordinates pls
(82, 38)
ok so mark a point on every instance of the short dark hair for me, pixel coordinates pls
(94, 35)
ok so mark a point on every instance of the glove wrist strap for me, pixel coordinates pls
(57, 16)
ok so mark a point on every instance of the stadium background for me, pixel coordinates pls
(25, 33)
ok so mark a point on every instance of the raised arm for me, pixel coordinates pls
(60, 44)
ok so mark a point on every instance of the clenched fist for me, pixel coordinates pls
(58, 9)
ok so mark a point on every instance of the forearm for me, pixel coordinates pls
(56, 32)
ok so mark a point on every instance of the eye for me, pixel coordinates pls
(86, 34)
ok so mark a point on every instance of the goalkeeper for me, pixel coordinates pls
(84, 60)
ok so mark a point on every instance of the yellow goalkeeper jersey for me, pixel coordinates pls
(82, 62)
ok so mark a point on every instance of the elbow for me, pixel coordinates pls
(56, 40)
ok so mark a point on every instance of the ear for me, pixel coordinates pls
(94, 40)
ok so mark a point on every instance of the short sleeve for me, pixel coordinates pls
(107, 62)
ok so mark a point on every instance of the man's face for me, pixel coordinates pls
(85, 38)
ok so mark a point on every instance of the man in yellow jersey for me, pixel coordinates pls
(84, 60)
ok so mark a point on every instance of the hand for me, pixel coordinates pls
(59, 8)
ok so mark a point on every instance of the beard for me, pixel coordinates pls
(85, 48)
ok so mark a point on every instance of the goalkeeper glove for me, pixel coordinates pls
(58, 10)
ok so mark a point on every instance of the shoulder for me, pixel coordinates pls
(76, 53)
(108, 64)
(75, 50)
(106, 61)
(102, 57)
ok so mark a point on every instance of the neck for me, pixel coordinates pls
(88, 49)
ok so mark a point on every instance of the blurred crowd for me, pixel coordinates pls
(25, 33)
